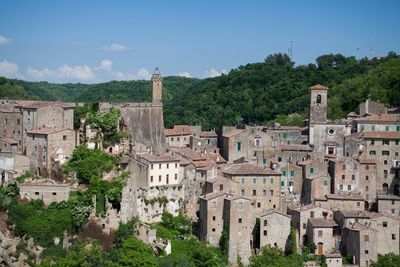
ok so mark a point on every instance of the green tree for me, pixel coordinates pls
(388, 260)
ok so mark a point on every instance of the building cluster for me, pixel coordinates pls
(335, 184)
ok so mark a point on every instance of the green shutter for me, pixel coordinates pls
(282, 183)
(292, 173)
(272, 180)
(311, 170)
(284, 172)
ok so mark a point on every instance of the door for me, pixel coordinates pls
(320, 248)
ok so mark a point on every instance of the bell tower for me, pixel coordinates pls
(156, 79)
(318, 104)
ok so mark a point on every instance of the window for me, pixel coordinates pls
(221, 187)
(159, 166)
(264, 180)
(254, 180)
(341, 187)
(172, 139)
(320, 233)
(259, 205)
(366, 188)
(312, 170)
(373, 127)
(393, 236)
(331, 131)
(385, 174)
(159, 178)
(349, 187)
(240, 220)
(18, 121)
(240, 205)
(213, 218)
(265, 222)
(372, 152)
(254, 192)
(304, 225)
(396, 142)
(264, 161)
(385, 162)
(242, 192)
(272, 180)
(385, 153)
(279, 159)
(393, 202)
(178, 139)
(385, 224)
(397, 128)
(272, 192)
(64, 137)
(176, 165)
(385, 142)
(265, 232)
(353, 177)
(176, 176)
(387, 128)
(291, 173)
(151, 178)
(167, 165)
(343, 166)
(54, 193)
(312, 214)
(151, 166)
(36, 193)
(282, 183)
(264, 192)
(318, 100)
(242, 180)
(366, 251)
(343, 177)
(238, 146)
(283, 172)
(167, 178)
(372, 142)
(213, 229)
(358, 204)
(257, 142)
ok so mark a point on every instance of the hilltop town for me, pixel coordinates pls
(330, 188)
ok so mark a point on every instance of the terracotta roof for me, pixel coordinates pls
(296, 148)
(380, 118)
(217, 158)
(321, 222)
(344, 196)
(235, 197)
(213, 195)
(380, 135)
(41, 104)
(156, 158)
(204, 165)
(367, 161)
(178, 130)
(249, 169)
(44, 182)
(2, 110)
(305, 207)
(233, 132)
(9, 140)
(46, 131)
(359, 227)
(357, 214)
(208, 134)
(187, 152)
(389, 197)
(318, 87)
(269, 212)
(307, 162)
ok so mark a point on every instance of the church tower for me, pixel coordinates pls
(318, 104)
(156, 79)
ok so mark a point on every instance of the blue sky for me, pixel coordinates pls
(96, 41)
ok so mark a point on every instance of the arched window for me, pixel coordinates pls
(385, 188)
(319, 99)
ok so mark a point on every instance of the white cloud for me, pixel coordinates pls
(4, 40)
(184, 74)
(8, 69)
(214, 73)
(63, 73)
(117, 47)
(106, 64)
(143, 74)
(77, 72)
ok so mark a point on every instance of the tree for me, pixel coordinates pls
(388, 260)
(274, 257)
(293, 241)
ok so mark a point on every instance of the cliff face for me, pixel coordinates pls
(144, 121)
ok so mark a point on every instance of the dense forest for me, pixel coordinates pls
(256, 93)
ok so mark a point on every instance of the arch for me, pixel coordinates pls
(385, 188)
(319, 99)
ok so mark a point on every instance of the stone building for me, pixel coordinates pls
(9, 145)
(389, 203)
(155, 170)
(315, 187)
(379, 123)
(156, 79)
(179, 136)
(323, 233)
(333, 260)
(341, 202)
(11, 130)
(326, 137)
(221, 184)
(48, 148)
(12, 165)
(275, 230)
(371, 108)
(300, 219)
(382, 147)
(261, 185)
(46, 190)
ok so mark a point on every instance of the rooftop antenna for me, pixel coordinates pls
(290, 51)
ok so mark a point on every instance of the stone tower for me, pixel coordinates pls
(156, 78)
(318, 104)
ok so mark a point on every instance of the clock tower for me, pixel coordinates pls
(156, 79)
(318, 104)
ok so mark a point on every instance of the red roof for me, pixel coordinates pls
(318, 87)
(208, 134)
(156, 158)
(381, 118)
(380, 135)
(46, 131)
(178, 130)
(9, 140)
(249, 169)
(41, 104)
